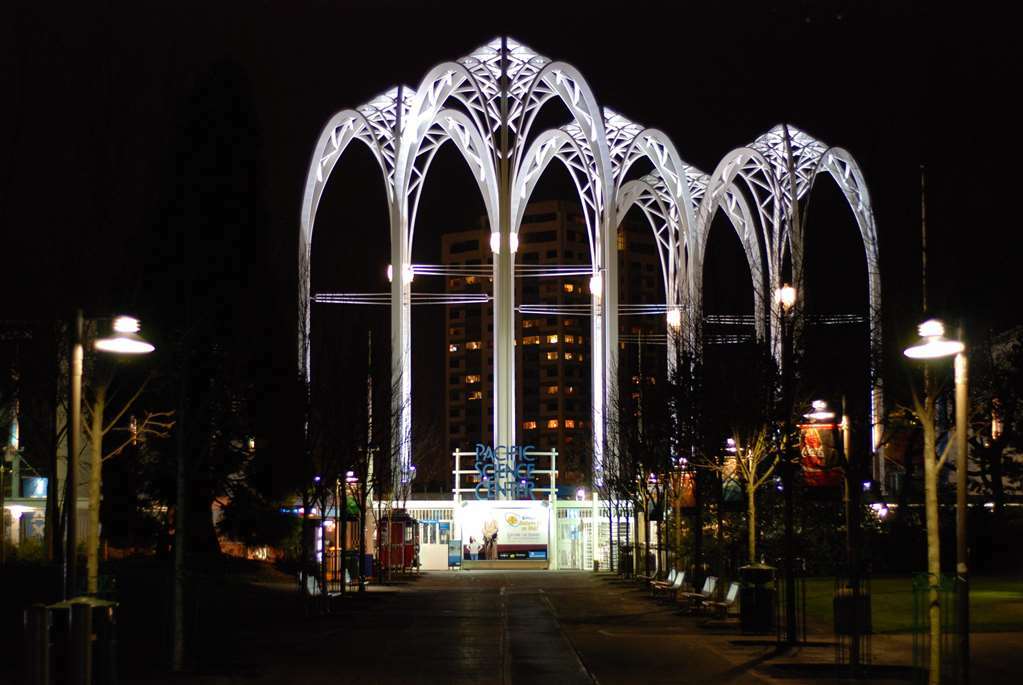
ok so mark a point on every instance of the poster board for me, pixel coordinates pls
(504, 530)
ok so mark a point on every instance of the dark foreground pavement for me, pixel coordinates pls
(503, 627)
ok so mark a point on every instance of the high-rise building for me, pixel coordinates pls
(552, 352)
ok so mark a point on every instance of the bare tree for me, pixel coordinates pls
(96, 427)
(753, 465)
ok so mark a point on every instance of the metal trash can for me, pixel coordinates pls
(74, 641)
(846, 617)
(757, 598)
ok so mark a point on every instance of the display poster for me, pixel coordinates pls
(454, 552)
(819, 458)
(500, 530)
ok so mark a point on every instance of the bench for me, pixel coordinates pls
(695, 599)
(653, 582)
(670, 589)
(313, 586)
(722, 608)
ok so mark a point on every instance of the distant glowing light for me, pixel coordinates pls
(674, 318)
(933, 343)
(126, 324)
(495, 242)
(785, 296)
(820, 411)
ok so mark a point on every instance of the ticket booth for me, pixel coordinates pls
(398, 542)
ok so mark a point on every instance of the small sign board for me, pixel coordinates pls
(454, 552)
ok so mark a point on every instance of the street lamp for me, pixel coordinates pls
(785, 297)
(934, 345)
(125, 340)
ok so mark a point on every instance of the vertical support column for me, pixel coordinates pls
(401, 349)
(504, 289)
(877, 432)
(609, 247)
(401, 358)
(552, 505)
(598, 372)
(595, 530)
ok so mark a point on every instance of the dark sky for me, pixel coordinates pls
(122, 122)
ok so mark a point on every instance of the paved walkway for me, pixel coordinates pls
(532, 627)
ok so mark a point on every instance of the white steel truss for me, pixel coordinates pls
(486, 104)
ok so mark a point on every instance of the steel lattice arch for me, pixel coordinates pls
(485, 104)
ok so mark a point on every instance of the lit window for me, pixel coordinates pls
(579, 340)
(551, 390)
(529, 425)
(477, 395)
(530, 323)
(552, 339)
(472, 345)
(569, 423)
(552, 423)
(552, 355)
(635, 380)
(580, 357)
(569, 355)
(472, 378)
(569, 288)
(469, 280)
(531, 340)
(569, 322)
(456, 332)
(569, 389)
(621, 239)
(569, 339)
(452, 348)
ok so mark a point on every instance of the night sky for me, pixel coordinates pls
(133, 134)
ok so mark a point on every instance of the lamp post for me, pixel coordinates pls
(853, 491)
(934, 345)
(125, 340)
(785, 298)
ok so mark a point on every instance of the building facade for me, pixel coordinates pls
(552, 364)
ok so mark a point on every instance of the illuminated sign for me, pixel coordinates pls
(505, 472)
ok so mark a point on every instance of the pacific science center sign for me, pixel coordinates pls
(505, 473)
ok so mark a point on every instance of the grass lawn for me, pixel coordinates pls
(996, 603)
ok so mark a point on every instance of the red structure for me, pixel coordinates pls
(397, 542)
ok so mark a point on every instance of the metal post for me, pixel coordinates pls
(787, 468)
(852, 523)
(81, 644)
(37, 649)
(74, 446)
(962, 569)
(3, 524)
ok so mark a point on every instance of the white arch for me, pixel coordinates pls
(342, 128)
(486, 103)
(842, 167)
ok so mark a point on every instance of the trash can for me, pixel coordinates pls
(74, 640)
(845, 614)
(757, 598)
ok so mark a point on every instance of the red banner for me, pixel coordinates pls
(817, 448)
